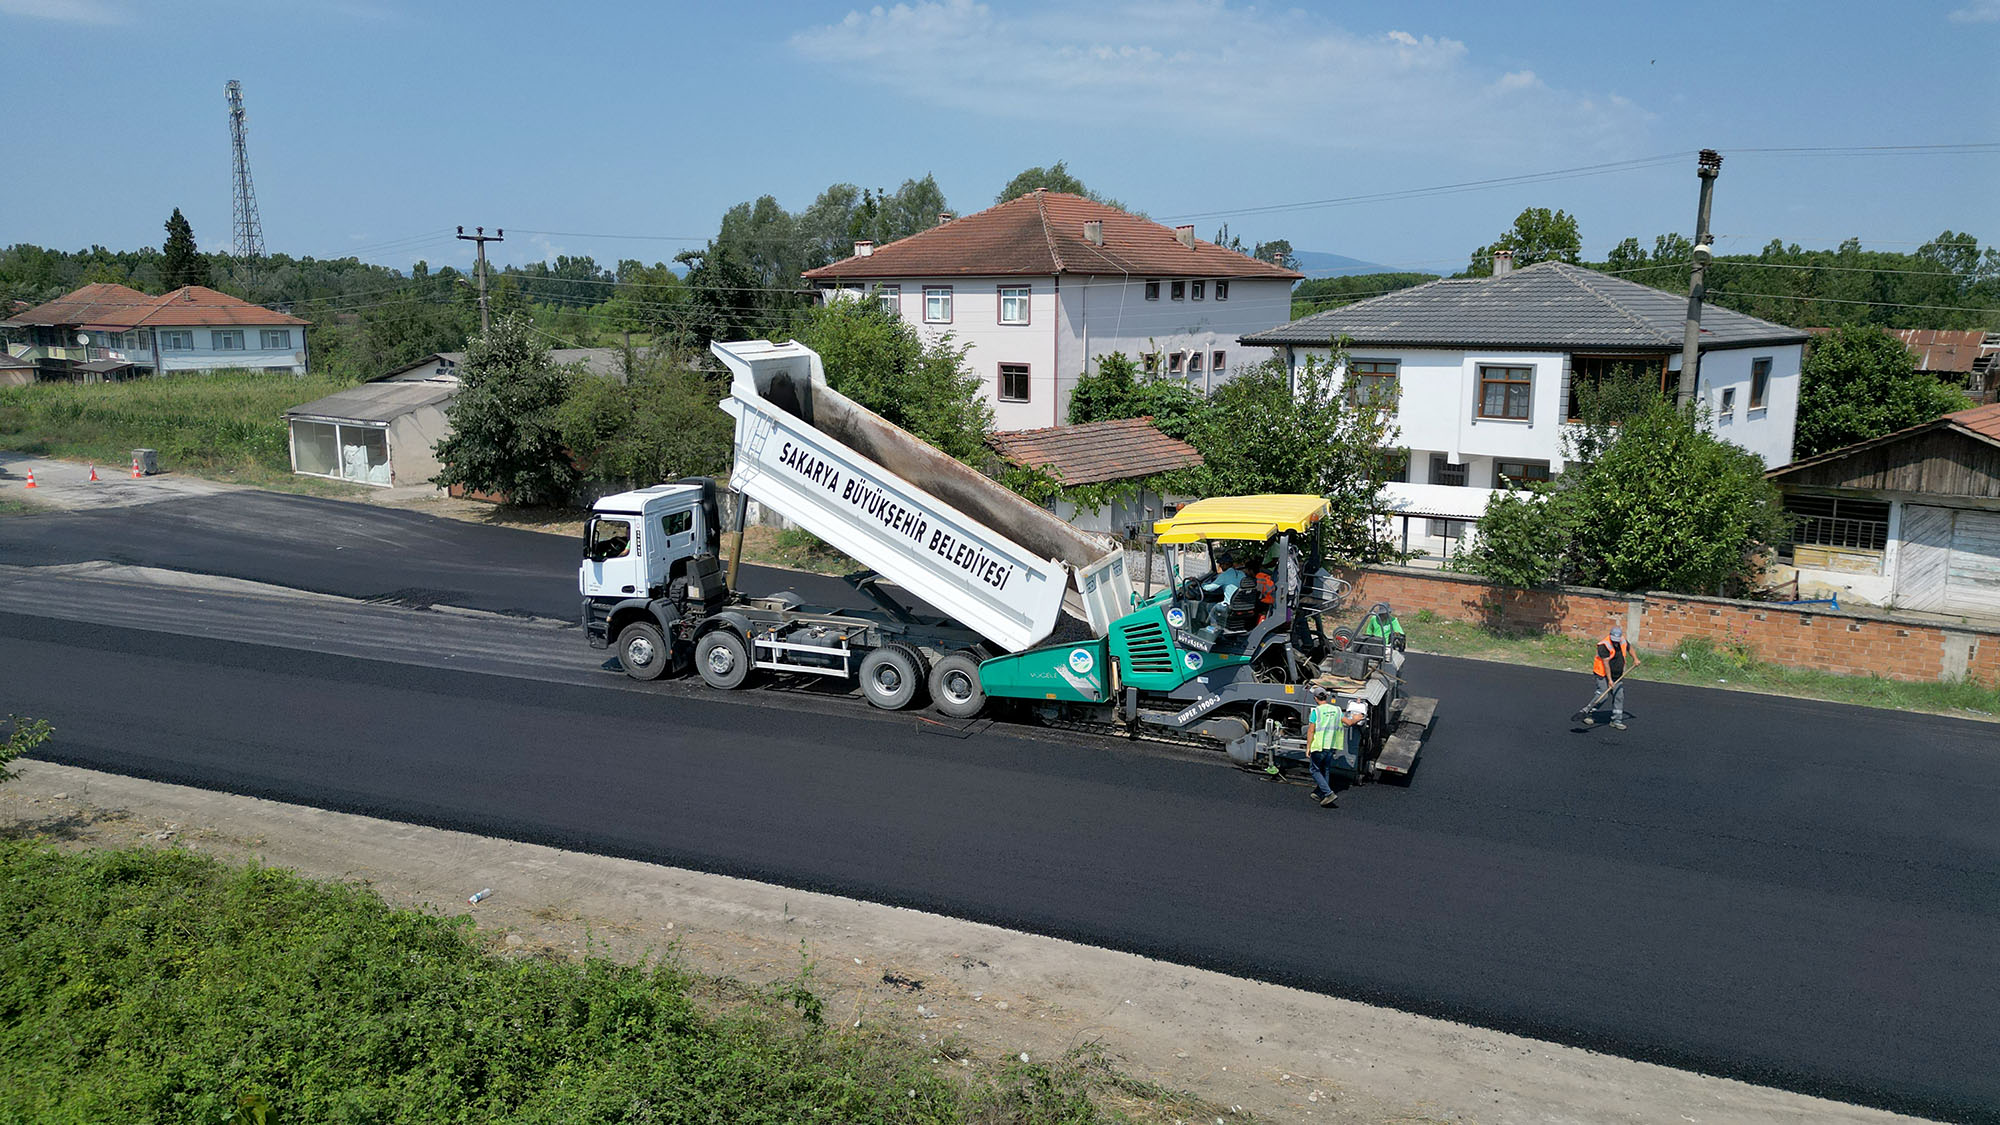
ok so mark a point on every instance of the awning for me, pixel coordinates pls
(1255, 518)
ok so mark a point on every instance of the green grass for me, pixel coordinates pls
(1703, 663)
(159, 985)
(227, 424)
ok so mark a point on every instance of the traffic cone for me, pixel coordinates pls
(136, 474)
(31, 479)
(93, 472)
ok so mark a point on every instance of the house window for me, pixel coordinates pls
(1194, 363)
(1728, 408)
(1837, 522)
(1396, 466)
(1175, 360)
(1503, 391)
(1222, 291)
(1198, 288)
(890, 297)
(1447, 529)
(1514, 474)
(1593, 371)
(1013, 382)
(1218, 361)
(937, 304)
(227, 341)
(1444, 472)
(1151, 362)
(177, 341)
(1152, 290)
(1180, 290)
(1371, 381)
(277, 339)
(1760, 382)
(1013, 304)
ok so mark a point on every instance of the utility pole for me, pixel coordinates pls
(1708, 166)
(482, 238)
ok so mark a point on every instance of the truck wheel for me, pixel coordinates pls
(891, 677)
(723, 660)
(955, 685)
(643, 651)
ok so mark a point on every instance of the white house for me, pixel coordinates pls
(1485, 368)
(103, 326)
(1042, 286)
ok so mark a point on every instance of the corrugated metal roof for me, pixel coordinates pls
(1121, 449)
(1551, 305)
(377, 402)
(104, 305)
(1042, 234)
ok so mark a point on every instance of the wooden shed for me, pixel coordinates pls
(1909, 520)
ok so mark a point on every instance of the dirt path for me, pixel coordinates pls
(1277, 1053)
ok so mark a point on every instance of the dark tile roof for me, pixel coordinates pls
(1041, 234)
(1551, 305)
(1093, 452)
(104, 305)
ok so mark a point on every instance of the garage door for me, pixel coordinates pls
(1951, 561)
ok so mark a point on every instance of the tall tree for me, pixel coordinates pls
(506, 433)
(184, 263)
(1538, 235)
(1860, 382)
(877, 359)
(1055, 177)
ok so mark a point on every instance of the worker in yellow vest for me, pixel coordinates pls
(1326, 739)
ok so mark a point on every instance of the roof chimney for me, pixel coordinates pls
(863, 247)
(1093, 232)
(1186, 234)
(946, 216)
(1503, 263)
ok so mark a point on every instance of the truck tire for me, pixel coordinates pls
(723, 660)
(955, 685)
(643, 652)
(892, 677)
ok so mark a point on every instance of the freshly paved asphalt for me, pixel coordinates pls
(1799, 894)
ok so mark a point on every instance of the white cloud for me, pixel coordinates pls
(66, 11)
(1979, 11)
(1232, 71)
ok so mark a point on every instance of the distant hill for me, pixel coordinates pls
(1318, 263)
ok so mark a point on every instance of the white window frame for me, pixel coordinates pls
(890, 297)
(276, 339)
(177, 340)
(940, 294)
(225, 339)
(1023, 297)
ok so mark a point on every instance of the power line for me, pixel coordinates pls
(1849, 301)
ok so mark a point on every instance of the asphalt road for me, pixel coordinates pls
(1799, 894)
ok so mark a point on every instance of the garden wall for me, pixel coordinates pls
(1849, 642)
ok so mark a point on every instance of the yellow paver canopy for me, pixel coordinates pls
(1241, 517)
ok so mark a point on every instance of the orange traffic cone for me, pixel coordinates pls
(136, 474)
(31, 479)
(93, 472)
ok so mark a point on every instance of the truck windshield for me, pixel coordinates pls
(607, 539)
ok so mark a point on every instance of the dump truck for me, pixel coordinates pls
(1033, 618)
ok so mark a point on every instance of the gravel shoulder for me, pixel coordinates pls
(1275, 1053)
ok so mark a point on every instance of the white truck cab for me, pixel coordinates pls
(638, 544)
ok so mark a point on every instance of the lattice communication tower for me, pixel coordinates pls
(248, 229)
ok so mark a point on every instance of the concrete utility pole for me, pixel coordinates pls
(498, 235)
(1708, 166)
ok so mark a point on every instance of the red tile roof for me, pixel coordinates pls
(104, 305)
(1121, 449)
(1041, 234)
(1983, 420)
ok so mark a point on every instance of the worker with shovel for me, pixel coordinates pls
(1612, 659)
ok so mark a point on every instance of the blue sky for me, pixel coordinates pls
(376, 127)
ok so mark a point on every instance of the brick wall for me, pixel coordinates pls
(1849, 642)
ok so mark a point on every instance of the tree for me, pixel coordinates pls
(662, 424)
(506, 436)
(1055, 177)
(877, 359)
(1118, 390)
(184, 263)
(1666, 506)
(1322, 293)
(1538, 235)
(1860, 382)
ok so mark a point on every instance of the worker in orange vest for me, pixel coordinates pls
(1612, 659)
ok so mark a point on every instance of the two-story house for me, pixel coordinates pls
(1485, 370)
(1040, 287)
(111, 330)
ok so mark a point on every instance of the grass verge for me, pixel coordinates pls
(160, 985)
(1702, 663)
(228, 423)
